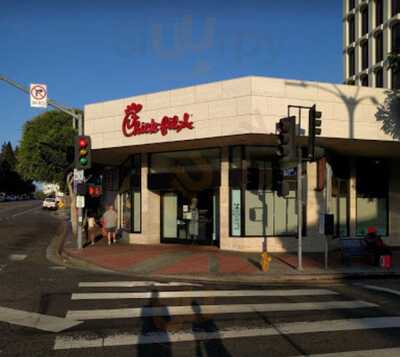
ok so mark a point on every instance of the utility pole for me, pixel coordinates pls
(75, 116)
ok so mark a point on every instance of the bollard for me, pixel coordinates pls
(265, 261)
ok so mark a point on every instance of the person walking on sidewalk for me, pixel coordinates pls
(110, 223)
(91, 228)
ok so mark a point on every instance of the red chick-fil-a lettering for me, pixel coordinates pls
(132, 126)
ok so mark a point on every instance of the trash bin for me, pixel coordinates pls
(385, 261)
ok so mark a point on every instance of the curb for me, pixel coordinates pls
(57, 254)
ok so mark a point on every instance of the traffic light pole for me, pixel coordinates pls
(311, 157)
(76, 116)
(299, 210)
(80, 209)
(299, 191)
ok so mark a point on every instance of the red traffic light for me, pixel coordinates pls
(94, 190)
(83, 142)
(91, 190)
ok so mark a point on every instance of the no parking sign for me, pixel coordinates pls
(38, 94)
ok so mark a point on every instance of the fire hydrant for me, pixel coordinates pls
(265, 260)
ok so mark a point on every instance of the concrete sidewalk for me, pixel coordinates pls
(210, 263)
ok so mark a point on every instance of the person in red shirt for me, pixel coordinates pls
(375, 245)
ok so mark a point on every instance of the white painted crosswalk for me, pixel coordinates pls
(154, 301)
(279, 329)
(212, 309)
(131, 284)
(202, 293)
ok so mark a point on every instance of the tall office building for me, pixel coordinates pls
(371, 30)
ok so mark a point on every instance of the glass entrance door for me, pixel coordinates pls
(189, 219)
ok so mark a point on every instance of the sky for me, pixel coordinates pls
(90, 51)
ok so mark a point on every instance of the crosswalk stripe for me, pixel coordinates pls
(213, 309)
(202, 293)
(384, 352)
(130, 284)
(379, 288)
(35, 320)
(74, 341)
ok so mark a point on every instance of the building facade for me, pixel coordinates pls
(371, 31)
(197, 163)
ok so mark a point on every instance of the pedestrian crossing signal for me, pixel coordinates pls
(83, 155)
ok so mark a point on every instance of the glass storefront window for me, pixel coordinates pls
(372, 196)
(130, 188)
(137, 208)
(266, 214)
(340, 199)
(255, 208)
(170, 215)
(340, 206)
(236, 212)
(191, 170)
(126, 211)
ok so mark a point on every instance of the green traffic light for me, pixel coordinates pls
(83, 161)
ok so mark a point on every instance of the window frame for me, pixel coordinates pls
(379, 47)
(364, 55)
(395, 7)
(380, 72)
(352, 29)
(352, 62)
(378, 12)
(364, 20)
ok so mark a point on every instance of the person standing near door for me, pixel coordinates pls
(194, 220)
(110, 218)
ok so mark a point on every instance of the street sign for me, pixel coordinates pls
(38, 95)
(79, 175)
(80, 201)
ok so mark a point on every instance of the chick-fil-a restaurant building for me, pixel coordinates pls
(195, 164)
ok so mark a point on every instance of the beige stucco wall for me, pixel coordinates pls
(150, 212)
(248, 105)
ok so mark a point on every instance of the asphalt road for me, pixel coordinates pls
(145, 319)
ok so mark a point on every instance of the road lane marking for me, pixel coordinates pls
(57, 267)
(212, 309)
(130, 284)
(202, 293)
(75, 341)
(7, 218)
(23, 212)
(17, 257)
(35, 320)
(378, 288)
(384, 352)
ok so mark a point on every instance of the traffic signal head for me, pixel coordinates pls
(94, 190)
(83, 155)
(314, 129)
(286, 130)
(279, 184)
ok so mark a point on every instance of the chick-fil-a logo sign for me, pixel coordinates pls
(131, 125)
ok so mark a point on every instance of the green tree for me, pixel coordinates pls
(7, 157)
(43, 151)
(10, 180)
